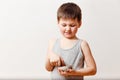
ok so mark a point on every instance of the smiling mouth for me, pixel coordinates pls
(67, 32)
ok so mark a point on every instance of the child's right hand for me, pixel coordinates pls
(55, 60)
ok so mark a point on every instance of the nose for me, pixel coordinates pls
(67, 28)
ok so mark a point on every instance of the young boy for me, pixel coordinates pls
(66, 55)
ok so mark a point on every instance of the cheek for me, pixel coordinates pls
(74, 29)
(61, 29)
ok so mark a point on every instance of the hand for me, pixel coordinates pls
(65, 68)
(64, 71)
(55, 60)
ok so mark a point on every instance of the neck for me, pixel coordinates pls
(69, 39)
(67, 43)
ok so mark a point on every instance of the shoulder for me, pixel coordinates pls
(84, 44)
(85, 48)
(52, 41)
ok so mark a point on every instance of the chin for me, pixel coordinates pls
(69, 37)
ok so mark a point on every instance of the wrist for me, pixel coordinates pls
(73, 73)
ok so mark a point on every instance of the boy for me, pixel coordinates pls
(66, 55)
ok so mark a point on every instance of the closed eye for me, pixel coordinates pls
(72, 25)
(63, 25)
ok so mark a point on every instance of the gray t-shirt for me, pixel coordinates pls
(72, 56)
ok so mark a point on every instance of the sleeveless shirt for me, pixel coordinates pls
(72, 56)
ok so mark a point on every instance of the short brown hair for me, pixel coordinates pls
(69, 10)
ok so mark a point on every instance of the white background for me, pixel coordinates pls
(27, 25)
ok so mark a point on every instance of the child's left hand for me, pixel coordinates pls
(67, 72)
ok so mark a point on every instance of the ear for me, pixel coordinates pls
(80, 23)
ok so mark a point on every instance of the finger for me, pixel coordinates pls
(63, 73)
(56, 63)
(59, 63)
(62, 62)
(60, 70)
(68, 70)
(52, 62)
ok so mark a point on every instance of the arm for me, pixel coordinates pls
(90, 68)
(52, 59)
(48, 66)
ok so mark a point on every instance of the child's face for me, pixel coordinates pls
(68, 27)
